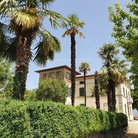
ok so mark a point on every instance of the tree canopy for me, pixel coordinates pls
(112, 63)
(52, 89)
(125, 32)
(84, 67)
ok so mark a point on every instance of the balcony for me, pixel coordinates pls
(129, 100)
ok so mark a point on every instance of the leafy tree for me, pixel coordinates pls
(72, 29)
(23, 26)
(135, 99)
(84, 67)
(125, 32)
(52, 89)
(115, 72)
(6, 75)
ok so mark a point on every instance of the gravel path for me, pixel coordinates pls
(132, 130)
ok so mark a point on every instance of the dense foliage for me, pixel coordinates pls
(6, 74)
(49, 120)
(52, 89)
(125, 32)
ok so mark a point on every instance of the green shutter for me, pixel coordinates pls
(81, 91)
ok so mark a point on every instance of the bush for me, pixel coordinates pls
(54, 120)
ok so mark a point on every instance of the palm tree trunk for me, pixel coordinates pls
(22, 65)
(85, 87)
(73, 68)
(97, 96)
(109, 95)
(113, 97)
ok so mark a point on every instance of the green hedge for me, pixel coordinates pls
(54, 120)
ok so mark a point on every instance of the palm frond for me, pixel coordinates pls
(72, 24)
(81, 34)
(73, 20)
(8, 46)
(27, 19)
(54, 17)
(10, 51)
(84, 67)
(5, 39)
(67, 32)
(46, 3)
(47, 48)
(64, 24)
(7, 7)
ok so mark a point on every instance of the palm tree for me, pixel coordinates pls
(72, 29)
(24, 25)
(119, 72)
(107, 53)
(97, 96)
(116, 72)
(84, 67)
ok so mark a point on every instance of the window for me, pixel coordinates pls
(51, 74)
(81, 82)
(44, 76)
(124, 91)
(125, 109)
(130, 110)
(126, 94)
(81, 91)
(57, 74)
(68, 76)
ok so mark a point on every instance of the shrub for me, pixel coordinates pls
(41, 119)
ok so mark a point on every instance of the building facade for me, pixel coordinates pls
(123, 97)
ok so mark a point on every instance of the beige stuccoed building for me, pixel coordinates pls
(123, 97)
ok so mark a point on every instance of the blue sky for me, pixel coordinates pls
(97, 31)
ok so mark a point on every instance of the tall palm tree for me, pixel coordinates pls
(24, 25)
(119, 72)
(84, 67)
(116, 71)
(72, 29)
(107, 53)
(97, 96)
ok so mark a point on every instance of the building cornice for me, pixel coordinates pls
(58, 67)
